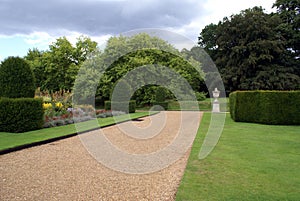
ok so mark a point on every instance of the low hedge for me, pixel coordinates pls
(21, 114)
(121, 106)
(267, 107)
(163, 104)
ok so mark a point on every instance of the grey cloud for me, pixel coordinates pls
(94, 17)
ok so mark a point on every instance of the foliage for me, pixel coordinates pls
(200, 96)
(250, 52)
(20, 114)
(37, 64)
(124, 54)
(60, 66)
(147, 57)
(121, 91)
(16, 79)
(289, 12)
(158, 106)
(267, 107)
(125, 106)
(160, 94)
(57, 68)
(160, 98)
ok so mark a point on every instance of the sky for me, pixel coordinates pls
(31, 24)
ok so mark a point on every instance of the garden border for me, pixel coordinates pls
(33, 144)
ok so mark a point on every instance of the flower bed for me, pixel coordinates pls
(57, 115)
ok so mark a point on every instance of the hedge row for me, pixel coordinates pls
(121, 106)
(267, 107)
(164, 105)
(21, 114)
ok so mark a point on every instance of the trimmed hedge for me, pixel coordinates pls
(21, 114)
(266, 107)
(164, 105)
(121, 106)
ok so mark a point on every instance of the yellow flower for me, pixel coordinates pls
(47, 105)
(59, 105)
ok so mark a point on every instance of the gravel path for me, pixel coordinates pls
(64, 170)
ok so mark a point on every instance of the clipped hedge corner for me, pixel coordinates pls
(121, 106)
(266, 107)
(21, 114)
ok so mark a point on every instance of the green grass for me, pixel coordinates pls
(11, 140)
(205, 105)
(250, 162)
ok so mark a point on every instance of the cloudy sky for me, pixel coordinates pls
(26, 24)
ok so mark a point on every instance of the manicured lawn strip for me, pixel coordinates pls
(250, 162)
(205, 105)
(12, 140)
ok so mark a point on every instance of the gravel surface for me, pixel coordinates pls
(64, 170)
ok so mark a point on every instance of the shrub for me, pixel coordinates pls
(267, 107)
(201, 96)
(21, 114)
(121, 106)
(16, 79)
(164, 105)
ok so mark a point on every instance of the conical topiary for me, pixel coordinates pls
(16, 79)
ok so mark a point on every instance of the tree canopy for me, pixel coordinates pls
(123, 54)
(250, 51)
(57, 68)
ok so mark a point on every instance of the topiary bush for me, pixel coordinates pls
(16, 79)
(121, 106)
(267, 107)
(21, 114)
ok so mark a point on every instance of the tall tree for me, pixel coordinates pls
(57, 68)
(123, 54)
(59, 60)
(83, 48)
(248, 51)
(289, 12)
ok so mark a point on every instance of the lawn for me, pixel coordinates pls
(205, 105)
(250, 162)
(10, 140)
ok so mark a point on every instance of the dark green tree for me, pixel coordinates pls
(16, 79)
(249, 52)
(289, 28)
